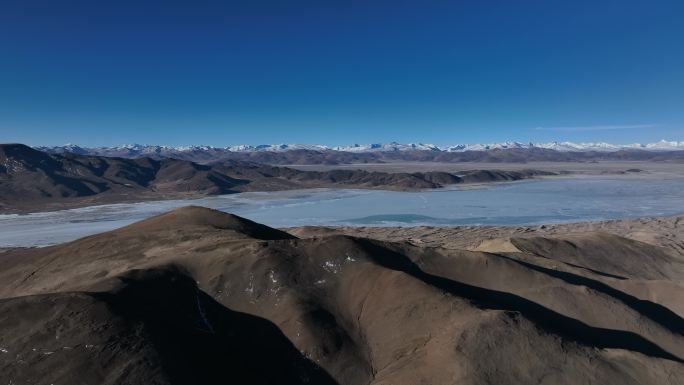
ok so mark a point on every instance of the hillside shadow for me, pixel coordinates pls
(544, 318)
(658, 313)
(202, 342)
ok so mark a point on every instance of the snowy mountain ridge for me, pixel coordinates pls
(662, 145)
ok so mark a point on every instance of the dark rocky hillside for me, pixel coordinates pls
(34, 180)
(197, 296)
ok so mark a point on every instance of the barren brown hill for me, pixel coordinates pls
(199, 296)
(267, 177)
(31, 180)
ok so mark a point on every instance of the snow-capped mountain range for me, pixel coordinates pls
(143, 150)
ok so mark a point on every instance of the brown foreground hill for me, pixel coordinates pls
(197, 296)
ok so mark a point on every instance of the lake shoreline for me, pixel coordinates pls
(114, 199)
(535, 202)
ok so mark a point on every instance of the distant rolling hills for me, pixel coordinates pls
(33, 180)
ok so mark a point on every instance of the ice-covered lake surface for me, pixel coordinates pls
(519, 203)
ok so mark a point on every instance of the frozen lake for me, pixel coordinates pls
(519, 203)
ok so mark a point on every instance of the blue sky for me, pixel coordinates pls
(340, 72)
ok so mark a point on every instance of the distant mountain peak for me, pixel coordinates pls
(135, 149)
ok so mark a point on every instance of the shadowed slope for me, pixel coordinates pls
(209, 290)
(200, 341)
(156, 327)
(433, 272)
(606, 253)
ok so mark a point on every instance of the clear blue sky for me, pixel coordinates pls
(98, 72)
